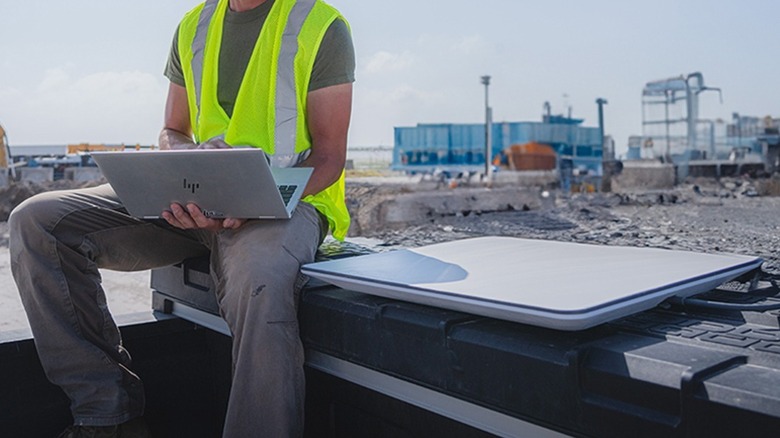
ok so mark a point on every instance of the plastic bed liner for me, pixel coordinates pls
(380, 365)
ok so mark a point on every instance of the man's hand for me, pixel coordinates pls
(172, 139)
(214, 143)
(192, 218)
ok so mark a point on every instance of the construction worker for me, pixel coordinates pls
(274, 74)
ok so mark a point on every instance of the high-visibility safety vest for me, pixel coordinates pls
(270, 109)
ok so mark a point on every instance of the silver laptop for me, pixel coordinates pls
(237, 182)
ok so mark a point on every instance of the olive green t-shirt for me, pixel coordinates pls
(334, 64)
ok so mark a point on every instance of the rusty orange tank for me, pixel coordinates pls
(531, 156)
(86, 147)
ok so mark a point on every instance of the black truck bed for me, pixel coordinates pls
(671, 371)
(380, 367)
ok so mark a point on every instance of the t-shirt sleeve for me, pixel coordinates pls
(173, 70)
(334, 64)
(335, 61)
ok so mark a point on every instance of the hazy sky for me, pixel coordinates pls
(91, 71)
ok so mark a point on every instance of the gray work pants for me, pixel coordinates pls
(58, 240)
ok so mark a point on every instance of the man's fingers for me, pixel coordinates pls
(201, 221)
(214, 143)
(198, 217)
(232, 223)
(182, 217)
(171, 219)
(192, 217)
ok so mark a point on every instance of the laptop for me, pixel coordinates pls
(237, 183)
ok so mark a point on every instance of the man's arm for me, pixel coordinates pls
(328, 114)
(177, 131)
(177, 134)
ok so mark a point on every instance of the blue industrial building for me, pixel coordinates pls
(460, 147)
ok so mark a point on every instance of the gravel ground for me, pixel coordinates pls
(708, 217)
(688, 218)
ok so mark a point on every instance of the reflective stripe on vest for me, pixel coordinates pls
(270, 108)
(199, 45)
(286, 102)
(286, 96)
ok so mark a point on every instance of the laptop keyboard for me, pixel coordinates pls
(287, 192)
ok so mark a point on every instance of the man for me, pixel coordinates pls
(275, 74)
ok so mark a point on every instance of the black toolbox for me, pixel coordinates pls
(380, 367)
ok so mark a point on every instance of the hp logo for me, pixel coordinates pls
(191, 186)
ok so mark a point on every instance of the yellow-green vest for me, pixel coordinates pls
(270, 109)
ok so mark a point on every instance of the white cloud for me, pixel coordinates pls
(407, 93)
(104, 89)
(443, 45)
(53, 80)
(383, 62)
(427, 82)
(9, 94)
(469, 45)
(100, 107)
(383, 108)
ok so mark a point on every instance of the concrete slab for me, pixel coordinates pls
(419, 207)
(644, 175)
(37, 174)
(528, 178)
(83, 174)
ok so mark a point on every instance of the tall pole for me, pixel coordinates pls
(488, 152)
(606, 158)
(668, 156)
(601, 102)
